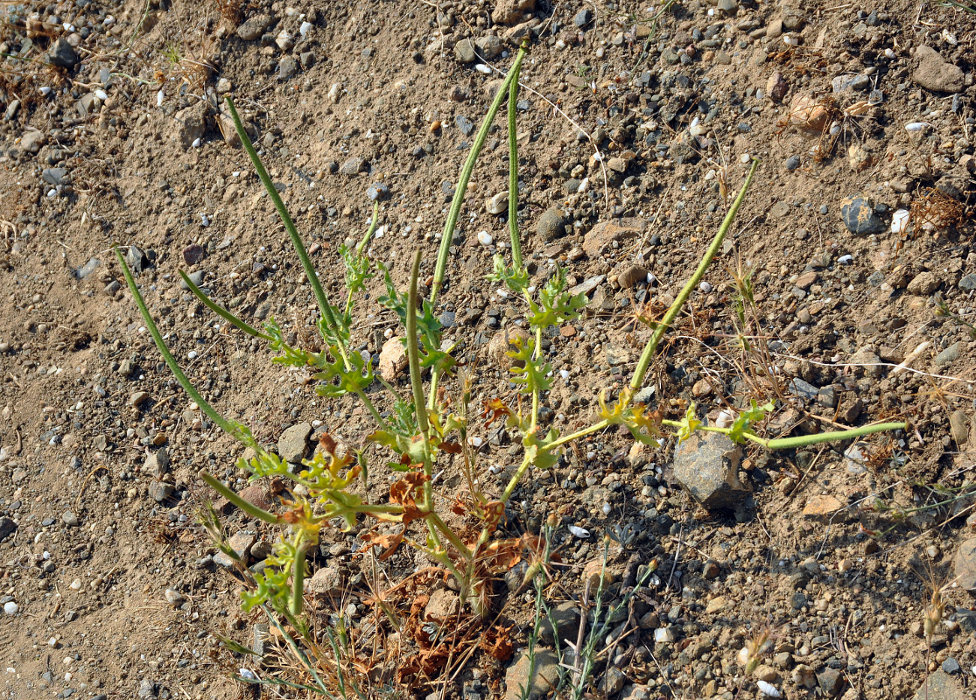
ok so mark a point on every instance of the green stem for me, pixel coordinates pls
(559, 442)
(513, 172)
(535, 389)
(447, 237)
(516, 478)
(645, 360)
(413, 356)
(221, 311)
(249, 508)
(298, 578)
(362, 246)
(371, 408)
(450, 535)
(324, 307)
(170, 361)
(804, 440)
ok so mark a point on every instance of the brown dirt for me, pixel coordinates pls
(377, 80)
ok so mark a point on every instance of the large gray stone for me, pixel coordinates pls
(941, 686)
(707, 465)
(964, 565)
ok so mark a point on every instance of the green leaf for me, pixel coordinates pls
(555, 305)
(532, 373)
(689, 424)
(515, 280)
(747, 418)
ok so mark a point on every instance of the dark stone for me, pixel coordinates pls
(860, 217)
(464, 125)
(7, 527)
(63, 54)
(707, 465)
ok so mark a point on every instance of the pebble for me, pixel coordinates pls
(253, 27)
(484, 238)
(935, 73)
(293, 443)
(551, 225)
(160, 491)
(582, 18)
(707, 465)
(464, 51)
(464, 125)
(70, 519)
(792, 163)
(63, 54)
(287, 68)
(923, 284)
(860, 217)
(958, 427)
(498, 204)
(352, 166)
(377, 192)
(10, 608)
(173, 597)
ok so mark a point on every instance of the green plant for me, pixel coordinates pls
(425, 433)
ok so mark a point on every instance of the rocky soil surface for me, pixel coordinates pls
(845, 570)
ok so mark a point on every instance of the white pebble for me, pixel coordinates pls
(159, 98)
(45, 91)
(845, 259)
(768, 689)
(705, 287)
(899, 221)
(305, 28)
(915, 126)
(484, 238)
(53, 642)
(173, 597)
(564, 373)
(606, 509)
(663, 634)
(745, 158)
(192, 355)
(11, 608)
(101, 94)
(889, 53)
(482, 68)
(75, 585)
(196, 143)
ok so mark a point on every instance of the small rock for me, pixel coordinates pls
(63, 54)
(160, 491)
(511, 11)
(7, 527)
(923, 284)
(70, 519)
(352, 166)
(831, 682)
(859, 216)
(941, 686)
(10, 608)
(935, 73)
(54, 176)
(464, 51)
(485, 239)
(716, 604)
(849, 82)
(777, 87)
(174, 598)
(253, 27)
(490, 46)
(613, 681)
(191, 124)
(803, 389)
(804, 676)
(443, 605)
(958, 426)
(287, 68)
(32, 140)
(137, 398)
(638, 692)
(821, 505)
(157, 463)
(968, 282)
(464, 125)
(792, 163)
(707, 465)
(147, 689)
(551, 224)
(950, 666)
(566, 617)
(964, 565)
(546, 675)
(605, 233)
(293, 443)
(377, 192)
(950, 354)
(393, 359)
(193, 254)
(582, 18)
(257, 495)
(631, 275)
(505, 341)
